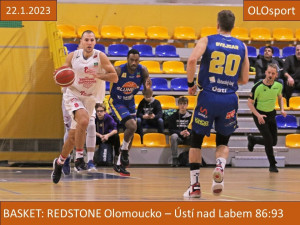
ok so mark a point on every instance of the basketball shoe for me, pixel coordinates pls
(56, 173)
(124, 158)
(121, 170)
(194, 191)
(218, 183)
(80, 165)
(91, 167)
(124, 172)
(66, 169)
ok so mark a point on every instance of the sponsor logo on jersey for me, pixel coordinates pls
(203, 112)
(128, 97)
(95, 56)
(225, 82)
(128, 87)
(124, 75)
(220, 90)
(95, 64)
(201, 122)
(73, 99)
(83, 93)
(219, 44)
(230, 114)
(212, 79)
(87, 82)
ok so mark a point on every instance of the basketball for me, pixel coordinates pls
(64, 76)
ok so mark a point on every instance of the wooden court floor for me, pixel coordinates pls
(148, 184)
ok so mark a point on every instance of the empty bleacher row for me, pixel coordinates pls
(121, 50)
(161, 140)
(182, 33)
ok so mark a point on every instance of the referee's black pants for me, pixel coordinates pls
(268, 130)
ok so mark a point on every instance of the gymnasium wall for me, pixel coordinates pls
(31, 102)
(163, 15)
(29, 98)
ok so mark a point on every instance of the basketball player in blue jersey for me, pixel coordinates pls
(224, 65)
(132, 76)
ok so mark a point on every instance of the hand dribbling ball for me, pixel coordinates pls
(64, 76)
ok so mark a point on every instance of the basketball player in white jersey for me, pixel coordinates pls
(90, 134)
(91, 68)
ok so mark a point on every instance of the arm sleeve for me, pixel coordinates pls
(259, 70)
(158, 110)
(173, 125)
(112, 125)
(287, 66)
(139, 112)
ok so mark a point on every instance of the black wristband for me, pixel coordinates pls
(191, 84)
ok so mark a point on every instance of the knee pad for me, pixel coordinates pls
(196, 140)
(91, 134)
(221, 139)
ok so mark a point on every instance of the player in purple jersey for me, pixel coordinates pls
(224, 64)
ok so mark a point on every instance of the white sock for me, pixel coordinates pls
(79, 153)
(221, 161)
(194, 174)
(119, 160)
(90, 155)
(125, 145)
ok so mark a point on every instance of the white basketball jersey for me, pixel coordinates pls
(85, 84)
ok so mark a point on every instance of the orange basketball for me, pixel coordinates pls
(64, 76)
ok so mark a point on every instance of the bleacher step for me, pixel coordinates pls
(255, 161)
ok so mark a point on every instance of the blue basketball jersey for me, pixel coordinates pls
(128, 84)
(221, 64)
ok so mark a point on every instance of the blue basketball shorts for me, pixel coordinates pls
(215, 108)
(122, 109)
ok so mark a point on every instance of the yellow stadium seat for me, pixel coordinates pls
(138, 99)
(83, 28)
(206, 31)
(155, 140)
(284, 105)
(283, 34)
(192, 101)
(67, 31)
(136, 142)
(119, 62)
(173, 67)
(134, 32)
(209, 142)
(184, 33)
(292, 140)
(167, 101)
(111, 32)
(152, 66)
(158, 33)
(260, 34)
(240, 33)
(297, 34)
(295, 103)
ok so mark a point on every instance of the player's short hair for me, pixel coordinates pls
(183, 99)
(133, 51)
(102, 105)
(88, 32)
(270, 47)
(148, 93)
(273, 65)
(226, 20)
